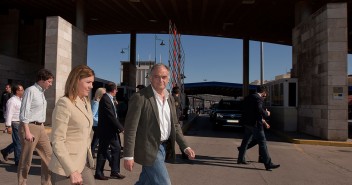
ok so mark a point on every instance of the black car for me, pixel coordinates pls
(228, 113)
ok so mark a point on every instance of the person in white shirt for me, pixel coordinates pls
(13, 106)
(32, 131)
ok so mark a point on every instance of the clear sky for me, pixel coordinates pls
(207, 58)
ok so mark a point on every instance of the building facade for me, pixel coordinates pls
(142, 73)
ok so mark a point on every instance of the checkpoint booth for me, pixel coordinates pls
(282, 102)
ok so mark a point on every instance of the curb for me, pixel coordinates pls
(312, 142)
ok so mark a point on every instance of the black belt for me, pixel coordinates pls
(36, 123)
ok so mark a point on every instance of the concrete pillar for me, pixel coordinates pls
(133, 68)
(320, 64)
(302, 11)
(65, 47)
(245, 90)
(80, 14)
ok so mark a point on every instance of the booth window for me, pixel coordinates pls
(277, 95)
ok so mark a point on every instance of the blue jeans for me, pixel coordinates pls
(16, 141)
(157, 173)
(259, 135)
(15, 146)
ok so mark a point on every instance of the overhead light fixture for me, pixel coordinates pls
(135, 1)
(152, 20)
(248, 1)
(122, 51)
(94, 19)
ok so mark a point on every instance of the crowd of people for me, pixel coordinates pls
(151, 128)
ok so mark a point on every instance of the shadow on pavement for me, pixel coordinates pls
(216, 161)
(11, 167)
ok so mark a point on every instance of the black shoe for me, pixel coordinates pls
(117, 176)
(101, 177)
(242, 162)
(260, 159)
(271, 166)
(5, 155)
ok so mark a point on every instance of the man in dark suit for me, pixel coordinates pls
(151, 129)
(6, 95)
(108, 130)
(252, 119)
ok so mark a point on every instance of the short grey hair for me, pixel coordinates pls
(159, 65)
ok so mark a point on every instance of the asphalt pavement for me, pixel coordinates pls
(216, 157)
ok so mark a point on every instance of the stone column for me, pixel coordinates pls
(80, 14)
(320, 64)
(65, 47)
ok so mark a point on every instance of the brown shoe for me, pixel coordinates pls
(117, 176)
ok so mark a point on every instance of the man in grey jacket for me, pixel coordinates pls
(151, 129)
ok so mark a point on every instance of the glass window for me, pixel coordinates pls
(277, 95)
(292, 95)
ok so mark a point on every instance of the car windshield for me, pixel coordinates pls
(214, 106)
(230, 105)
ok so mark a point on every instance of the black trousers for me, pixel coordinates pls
(103, 148)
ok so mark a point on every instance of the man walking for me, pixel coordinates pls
(151, 129)
(109, 128)
(252, 118)
(32, 130)
(12, 123)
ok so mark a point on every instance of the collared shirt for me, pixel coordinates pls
(164, 114)
(13, 106)
(95, 108)
(33, 106)
(112, 100)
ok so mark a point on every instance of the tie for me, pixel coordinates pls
(113, 104)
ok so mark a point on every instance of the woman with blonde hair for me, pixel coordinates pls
(95, 107)
(71, 131)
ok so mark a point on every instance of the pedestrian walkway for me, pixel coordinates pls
(216, 161)
(8, 170)
(301, 138)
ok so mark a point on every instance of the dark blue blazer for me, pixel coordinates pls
(108, 122)
(253, 111)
